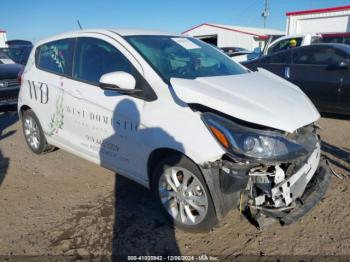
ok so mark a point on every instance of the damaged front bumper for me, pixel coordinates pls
(315, 190)
(284, 191)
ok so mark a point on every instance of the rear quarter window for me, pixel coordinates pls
(56, 56)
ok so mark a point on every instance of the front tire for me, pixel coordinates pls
(183, 195)
(33, 133)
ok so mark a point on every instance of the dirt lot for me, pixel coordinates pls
(58, 204)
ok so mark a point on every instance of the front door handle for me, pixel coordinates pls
(287, 72)
(76, 93)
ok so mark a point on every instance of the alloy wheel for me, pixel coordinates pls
(32, 132)
(183, 196)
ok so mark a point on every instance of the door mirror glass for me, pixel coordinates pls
(120, 81)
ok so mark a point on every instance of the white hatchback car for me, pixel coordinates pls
(179, 117)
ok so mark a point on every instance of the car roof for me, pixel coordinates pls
(128, 32)
(343, 47)
(297, 35)
(119, 31)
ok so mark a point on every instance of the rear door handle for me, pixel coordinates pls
(287, 72)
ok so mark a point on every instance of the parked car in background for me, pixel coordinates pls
(9, 81)
(322, 71)
(268, 41)
(258, 52)
(179, 117)
(18, 54)
(237, 54)
(255, 54)
(283, 43)
(18, 43)
(231, 51)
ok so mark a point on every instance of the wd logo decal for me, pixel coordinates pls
(39, 91)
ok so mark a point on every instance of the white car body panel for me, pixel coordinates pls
(140, 127)
(88, 111)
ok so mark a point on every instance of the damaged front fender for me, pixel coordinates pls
(225, 181)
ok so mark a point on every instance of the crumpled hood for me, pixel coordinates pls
(258, 97)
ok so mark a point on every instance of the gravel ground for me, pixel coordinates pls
(58, 204)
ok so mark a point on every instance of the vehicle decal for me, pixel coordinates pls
(57, 118)
(57, 56)
(102, 146)
(39, 91)
(86, 116)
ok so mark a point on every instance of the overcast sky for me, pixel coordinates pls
(36, 19)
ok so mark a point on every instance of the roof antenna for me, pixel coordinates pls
(80, 27)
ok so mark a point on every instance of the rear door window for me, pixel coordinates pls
(319, 56)
(56, 56)
(327, 39)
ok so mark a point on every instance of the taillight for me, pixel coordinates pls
(19, 77)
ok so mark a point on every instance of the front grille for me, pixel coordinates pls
(5, 83)
(8, 100)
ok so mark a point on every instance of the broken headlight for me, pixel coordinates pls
(246, 142)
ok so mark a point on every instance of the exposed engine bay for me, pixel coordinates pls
(277, 190)
(279, 187)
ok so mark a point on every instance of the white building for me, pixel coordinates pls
(232, 36)
(335, 19)
(3, 38)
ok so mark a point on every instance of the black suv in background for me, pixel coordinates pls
(9, 81)
(18, 50)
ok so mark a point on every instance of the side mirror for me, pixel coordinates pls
(339, 65)
(343, 65)
(119, 81)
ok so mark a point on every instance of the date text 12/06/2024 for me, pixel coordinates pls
(202, 257)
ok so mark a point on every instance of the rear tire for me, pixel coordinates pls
(183, 195)
(34, 134)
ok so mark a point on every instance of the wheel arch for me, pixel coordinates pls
(159, 154)
(22, 109)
